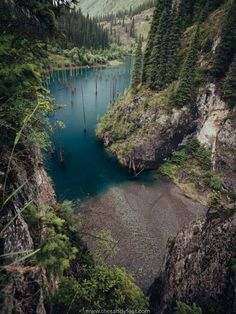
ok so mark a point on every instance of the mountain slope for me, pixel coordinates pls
(182, 119)
(103, 7)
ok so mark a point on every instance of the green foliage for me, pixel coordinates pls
(184, 92)
(200, 152)
(227, 47)
(179, 157)
(194, 162)
(106, 10)
(82, 31)
(215, 182)
(31, 19)
(168, 169)
(103, 287)
(81, 56)
(147, 62)
(229, 87)
(137, 68)
(56, 253)
(56, 249)
(183, 308)
(159, 52)
(106, 246)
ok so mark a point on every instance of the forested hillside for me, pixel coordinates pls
(179, 117)
(82, 31)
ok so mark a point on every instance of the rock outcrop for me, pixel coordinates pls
(208, 119)
(226, 154)
(21, 290)
(198, 268)
(21, 287)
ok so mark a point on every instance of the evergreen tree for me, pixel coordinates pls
(186, 12)
(160, 54)
(147, 55)
(173, 46)
(229, 88)
(82, 31)
(227, 46)
(137, 68)
(157, 61)
(185, 88)
(132, 29)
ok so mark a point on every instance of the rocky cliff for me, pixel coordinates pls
(21, 286)
(198, 268)
(149, 132)
(198, 265)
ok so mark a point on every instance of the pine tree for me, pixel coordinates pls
(137, 68)
(173, 47)
(150, 42)
(185, 89)
(227, 46)
(229, 88)
(186, 12)
(158, 53)
(132, 29)
(82, 31)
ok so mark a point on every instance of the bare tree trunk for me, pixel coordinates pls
(84, 115)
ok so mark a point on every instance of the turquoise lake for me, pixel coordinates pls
(87, 169)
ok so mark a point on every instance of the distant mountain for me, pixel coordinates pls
(103, 7)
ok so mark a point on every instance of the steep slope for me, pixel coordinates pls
(182, 119)
(143, 130)
(198, 268)
(103, 7)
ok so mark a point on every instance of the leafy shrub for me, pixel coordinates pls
(216, 182)
(213, 181)
(169, 169)
(183, 308)
(200, 152)
(56, 253)
(105, 287)
(179, 157)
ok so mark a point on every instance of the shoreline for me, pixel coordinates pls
(110, 63)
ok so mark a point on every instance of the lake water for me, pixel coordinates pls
(87, 168)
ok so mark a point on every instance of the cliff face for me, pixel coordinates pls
(198, 268)
(158, 131)
(225, 156)
(21, 287)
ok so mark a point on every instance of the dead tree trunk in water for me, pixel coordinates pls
(61, 152)
(60, 125)
(96, 92)
(84, 115)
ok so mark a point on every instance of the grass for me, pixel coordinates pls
(103, 7)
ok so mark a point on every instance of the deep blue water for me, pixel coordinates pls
(87, 168)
